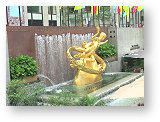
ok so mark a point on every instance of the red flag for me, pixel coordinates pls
(118, 10)
(94, 9)
(135, 9)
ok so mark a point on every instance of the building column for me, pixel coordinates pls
(7, 62)
(58, 15)
(8, 78)
(45, 16)
(25, 16)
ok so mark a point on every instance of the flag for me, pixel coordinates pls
(94, 9)
(59, 7)
(77, 7)
(91, 10)
(135, 9)
(130, 7)
(124, 14)
(126, 9)
(118, 10)
(120, 7)
(114, 9)
(139, 8)
(98, 9)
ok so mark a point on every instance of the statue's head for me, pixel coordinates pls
(102, 36)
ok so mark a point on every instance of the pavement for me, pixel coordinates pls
(133, 90)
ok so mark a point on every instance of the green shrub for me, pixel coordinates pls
(67, 98)
(106, 51)
(22, 67)
(131, 64)
(87, 101)
(20, 93)
(64, 98)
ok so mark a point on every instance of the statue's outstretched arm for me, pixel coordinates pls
(89, 48)
(80, 49)
(101, 43)
(98, 29)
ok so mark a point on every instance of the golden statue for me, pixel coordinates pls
(90, 65)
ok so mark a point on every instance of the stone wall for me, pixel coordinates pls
(126, 40)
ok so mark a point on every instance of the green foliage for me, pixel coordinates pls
(107, 50)
(22, 67)
(131, 64)
(24, 94)
(87, 101)
(64, 98)
(107, 13)
(90, 101)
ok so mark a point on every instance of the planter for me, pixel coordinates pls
(30, 79)
(110, 59)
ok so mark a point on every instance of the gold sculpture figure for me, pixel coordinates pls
(90, 65)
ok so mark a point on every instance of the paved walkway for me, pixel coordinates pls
(133, 90)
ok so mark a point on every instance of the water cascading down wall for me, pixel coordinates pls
(51, 55)
(49, 50)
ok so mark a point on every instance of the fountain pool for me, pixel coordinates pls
(110, 83)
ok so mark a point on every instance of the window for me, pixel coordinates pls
(34, 9)
(35, 23)
(52, 23)
(52, 10)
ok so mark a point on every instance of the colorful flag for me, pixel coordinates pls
(114, 9)
(94, 9)
(97, 9)
(59, 7)
(77, 7)
(118, 10)
(135, 9)
(120, 7)
(139, 8)
(124, 14)
(126, 9)
(130, 7)
(91, 10)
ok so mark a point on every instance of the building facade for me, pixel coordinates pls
(109, 16)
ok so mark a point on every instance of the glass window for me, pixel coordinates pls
(14, 11)
(34, 9)
(35, 23)
(52, 9)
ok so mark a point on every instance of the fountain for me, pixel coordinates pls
(43, 76)
(90, 65)
(90, 78)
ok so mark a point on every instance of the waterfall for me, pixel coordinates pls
(51, 55)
